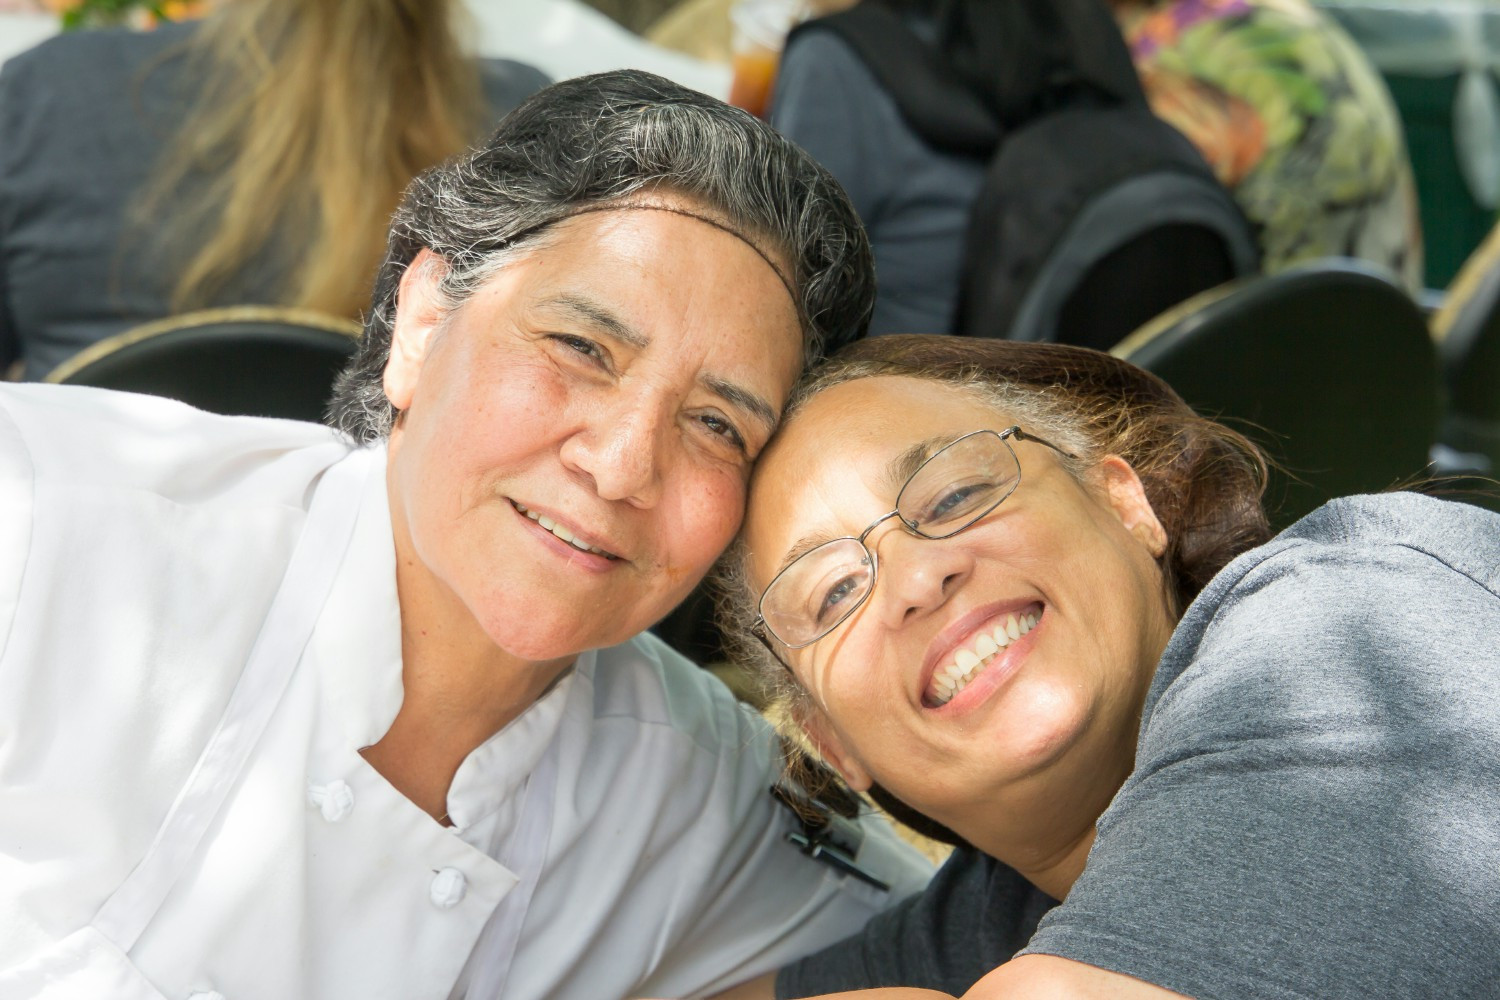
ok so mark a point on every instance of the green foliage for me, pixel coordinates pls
(101, 13)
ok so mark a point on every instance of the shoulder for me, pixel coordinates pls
(647, 686)
(1387, 556)
(85, 93)
(507, 83)
(817, 60)
(92, 52)
(79, 439)
(1395, 595)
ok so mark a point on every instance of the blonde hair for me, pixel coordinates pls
(313, 117)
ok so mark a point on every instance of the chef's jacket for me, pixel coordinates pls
(199, 631)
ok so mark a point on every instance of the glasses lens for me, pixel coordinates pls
(817, 591)
(959, 485)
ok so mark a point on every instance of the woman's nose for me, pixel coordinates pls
(620, 448)
(918, 575)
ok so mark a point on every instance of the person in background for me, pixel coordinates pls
(1025, 596)
(913, 199)
(1293, 118)
(1290, 114)
(252, 157)
(287, 712)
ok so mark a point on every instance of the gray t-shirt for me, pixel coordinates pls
(83, 117)
(1315, 808)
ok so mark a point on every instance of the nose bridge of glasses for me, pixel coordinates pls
(864, 536)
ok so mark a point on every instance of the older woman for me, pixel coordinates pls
(286, 715)
(999, 583)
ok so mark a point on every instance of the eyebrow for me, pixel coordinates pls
(734, 394)
(592, 312)
(905, 465)
(744, 399)
(897, 471)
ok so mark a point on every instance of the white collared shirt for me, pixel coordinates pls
(140, 545)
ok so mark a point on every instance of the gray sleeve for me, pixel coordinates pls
(973, 916)
(1315, 810)
(828, 103)
(507, 83)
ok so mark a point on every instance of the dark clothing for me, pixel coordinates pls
(1315, 806)
(83, 117)
(913, 200)
(974, 910)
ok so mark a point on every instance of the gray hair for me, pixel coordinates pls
(590, 142)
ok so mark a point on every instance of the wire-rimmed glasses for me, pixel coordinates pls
(957, 486)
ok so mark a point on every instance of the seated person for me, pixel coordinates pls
(1281, 103)
(288, 712)
(1025, 595)
(1013, 178)
(1293, 118)
(253, 157)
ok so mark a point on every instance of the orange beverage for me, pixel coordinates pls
(754, 72)
(758, 32)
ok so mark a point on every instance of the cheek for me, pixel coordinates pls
(702, 519)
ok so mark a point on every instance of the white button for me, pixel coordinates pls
(334, 800)
(448, 887)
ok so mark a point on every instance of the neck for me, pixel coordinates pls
(1056, 874)
(459, 688)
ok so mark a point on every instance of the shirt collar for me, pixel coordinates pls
(357, 644)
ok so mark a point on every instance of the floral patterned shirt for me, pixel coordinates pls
(1292, 117)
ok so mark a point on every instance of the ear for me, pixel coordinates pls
(1127, 498)
(419, 311)
(831, 748)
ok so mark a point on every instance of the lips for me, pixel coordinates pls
(563, 532)
(971, 660)
(979, 640)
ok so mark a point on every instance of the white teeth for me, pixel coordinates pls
(948, 680)
(966, 661)
(560, 531)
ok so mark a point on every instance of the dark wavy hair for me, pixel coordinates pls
(598, 141)
(1204, 481)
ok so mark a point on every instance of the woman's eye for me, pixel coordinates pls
(957, 500)
(581, 345)
(720, 427)
(836, 595)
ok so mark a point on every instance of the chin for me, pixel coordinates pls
(1052, 721)
(540, 640)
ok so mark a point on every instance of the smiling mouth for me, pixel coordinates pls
(560, 532)
(970, 661)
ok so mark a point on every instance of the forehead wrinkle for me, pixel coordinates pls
(600, 317)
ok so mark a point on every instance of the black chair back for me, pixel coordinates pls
(1328, 366)
(248, 360)
(1467, 330)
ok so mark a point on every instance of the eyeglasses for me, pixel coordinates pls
(948, 492)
